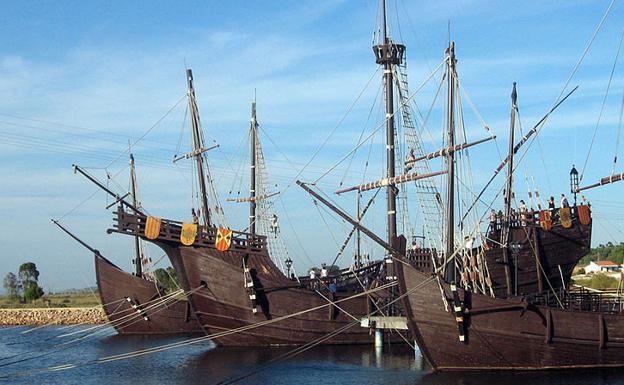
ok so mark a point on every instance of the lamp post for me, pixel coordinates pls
(515, 249)
(289, 263)
(574, 182)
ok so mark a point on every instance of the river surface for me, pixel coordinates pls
(74, 355)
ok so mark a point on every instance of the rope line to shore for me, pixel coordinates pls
(98, 329)
(173, 345)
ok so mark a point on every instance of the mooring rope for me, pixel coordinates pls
(98, 329)
(192, 341)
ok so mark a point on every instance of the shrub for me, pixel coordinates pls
(32, 293)
(599, 281)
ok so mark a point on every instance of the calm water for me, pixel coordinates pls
(24, 355)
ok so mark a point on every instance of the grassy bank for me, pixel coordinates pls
(598, 281)
(53, 300)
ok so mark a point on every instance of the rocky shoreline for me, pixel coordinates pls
(53, 316)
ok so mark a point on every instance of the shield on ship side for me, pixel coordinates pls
(188, 233)
(152, 228)
(223, 239)
(565, 216)
(584, 214)
(545, 220)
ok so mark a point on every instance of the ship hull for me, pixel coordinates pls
(545, 259)
(224, 303)
(115, 285)
(506, 334)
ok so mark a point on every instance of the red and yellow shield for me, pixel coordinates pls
(584, 214)
(224, 239)
(188, 233)
(545, 220)
(565, 216)
(152, 227)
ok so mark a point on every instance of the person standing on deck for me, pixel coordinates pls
(523, 213)
(564, 201)
(409, 161)
(195, 217)
(492, 220)
(323, 271)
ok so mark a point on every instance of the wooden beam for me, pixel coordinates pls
(390, 181)
(250, 199)
(448, 150)
(352, 221)
(603, 181)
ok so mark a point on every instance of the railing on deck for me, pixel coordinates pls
(360, 278)
(134, 224)
(580, 300)
(527, 218)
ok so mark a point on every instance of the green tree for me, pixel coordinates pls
(167, 278)
(29, 281)
(333, 269)
(28, 275)
(10, 284)
(608, 252)
(33, 293)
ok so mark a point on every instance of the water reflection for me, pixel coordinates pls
(204, 363)
(328, 364)
(553, 377)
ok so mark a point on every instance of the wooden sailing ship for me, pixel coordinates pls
(143, 295)
(458, 327)
(522, 316)
(134, 305)
(137, 303)
(235, 282)
(526, 251)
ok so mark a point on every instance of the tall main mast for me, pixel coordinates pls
(138, 268)
(253, 133)
(509, 192)
(450, 158)
(512, 123)
(389, 54)
(198, 148)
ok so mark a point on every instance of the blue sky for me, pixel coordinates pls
(81, 79)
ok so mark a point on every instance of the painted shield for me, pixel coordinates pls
(545, 220)
(224, 239)
(565, 217)
(152, 227)
(188, 233)
(584, 214)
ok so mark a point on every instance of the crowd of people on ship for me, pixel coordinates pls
(524, 216)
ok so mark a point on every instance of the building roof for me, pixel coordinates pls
(605, 263)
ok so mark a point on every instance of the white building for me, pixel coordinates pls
(602, 266)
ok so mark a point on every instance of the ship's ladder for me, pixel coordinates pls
(137, 307)
(276, 246)
(458, 311)
(249, 286)
(429, 198)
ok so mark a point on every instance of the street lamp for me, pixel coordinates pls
(574, 182)
(515, 250)
(289, 263)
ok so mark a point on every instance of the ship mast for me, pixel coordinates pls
(358, 235)
(512, 123)
(450, 157)
(389, 54)
(509, 191)
(198, 148)
(253, 133)
(138, 257)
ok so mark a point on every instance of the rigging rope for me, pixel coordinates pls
(617, 138)
(602, 107)
(379, 127)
